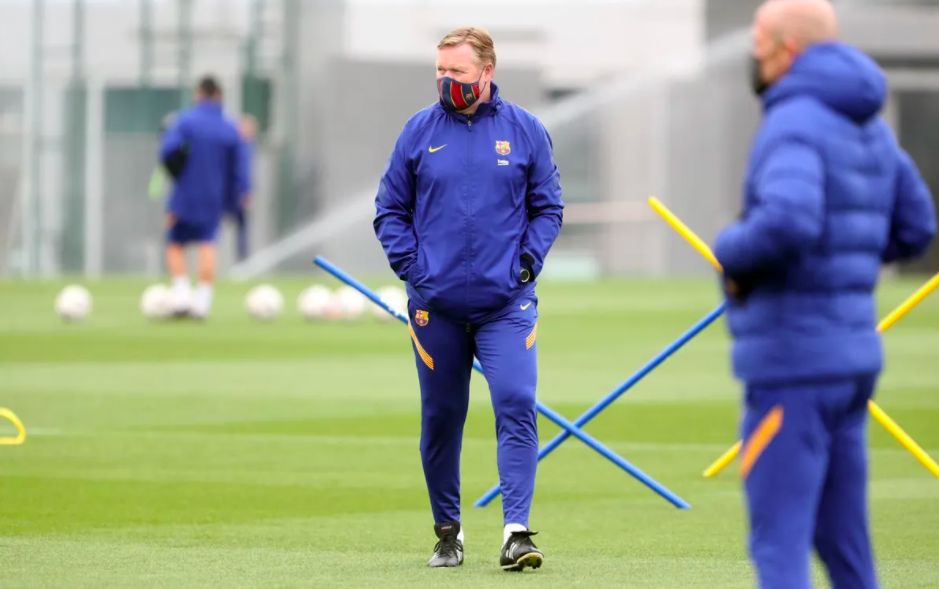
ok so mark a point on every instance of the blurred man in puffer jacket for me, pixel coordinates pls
(829, 197)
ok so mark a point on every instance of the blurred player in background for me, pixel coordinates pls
(829, 197)
(238, 205)
(467, 209)
(201, 151)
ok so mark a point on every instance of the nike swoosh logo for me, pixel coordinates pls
(525, 306)
(436, 149)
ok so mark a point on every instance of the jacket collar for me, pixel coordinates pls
(209, 106)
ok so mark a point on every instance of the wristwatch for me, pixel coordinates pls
(525, 275)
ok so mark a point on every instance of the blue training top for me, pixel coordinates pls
(211, 174)
(463, 199)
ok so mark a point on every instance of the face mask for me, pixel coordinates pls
(757, 83)
(457, 96)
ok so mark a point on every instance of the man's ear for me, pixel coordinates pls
(792, 47)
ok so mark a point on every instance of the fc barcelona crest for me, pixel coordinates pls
(503, 147)
(421, 317)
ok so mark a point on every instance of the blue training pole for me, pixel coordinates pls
(571, 429)
(616, 393)
(568, 427)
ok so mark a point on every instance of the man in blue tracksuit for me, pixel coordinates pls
(829, 197)
(467, 209)
(201, 151)
(238, 202)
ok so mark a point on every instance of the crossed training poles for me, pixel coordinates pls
(574, 428)
(876, 412)
(569, 428)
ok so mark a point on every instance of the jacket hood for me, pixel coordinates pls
(840, 76)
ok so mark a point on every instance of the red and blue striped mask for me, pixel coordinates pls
(457, 96)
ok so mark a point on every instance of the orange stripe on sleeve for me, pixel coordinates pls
(760, 439)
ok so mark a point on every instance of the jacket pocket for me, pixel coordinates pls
(416, 271)
(516, 266)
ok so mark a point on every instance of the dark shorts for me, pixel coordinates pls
(183, 232)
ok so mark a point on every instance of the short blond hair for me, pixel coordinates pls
(477, 38)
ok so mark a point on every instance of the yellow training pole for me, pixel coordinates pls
(686, 232)
(892, 427)
(905, 307)
(909, 443)
(20, 430)
(725, 459)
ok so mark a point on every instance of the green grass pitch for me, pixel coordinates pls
(234, 453)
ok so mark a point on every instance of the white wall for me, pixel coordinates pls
(574, 42)
(112, 38)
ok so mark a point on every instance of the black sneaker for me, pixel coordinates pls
(449, 550)
(520, 552)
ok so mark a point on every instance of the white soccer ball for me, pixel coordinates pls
(333, 308)
(313, 302)
(180, 301)
(394, 297)
(264, 302)
(350, 302)
(73, 303)
(157, 302)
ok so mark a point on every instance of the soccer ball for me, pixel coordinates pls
(313, 302)
(264, 302)
(73, 303)
(350, 303)
(333, 309)
(394, 297)
(157, 302)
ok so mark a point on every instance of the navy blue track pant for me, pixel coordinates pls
(504, 343)
(804, 462)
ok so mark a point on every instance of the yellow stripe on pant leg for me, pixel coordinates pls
(428, 360)
(530, 340)
(760, 439)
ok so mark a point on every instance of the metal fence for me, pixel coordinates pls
(78, 139)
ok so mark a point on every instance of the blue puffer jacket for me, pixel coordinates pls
(462, 202)
(212, 173)
(829, 196)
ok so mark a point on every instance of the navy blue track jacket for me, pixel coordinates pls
(463, 200)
